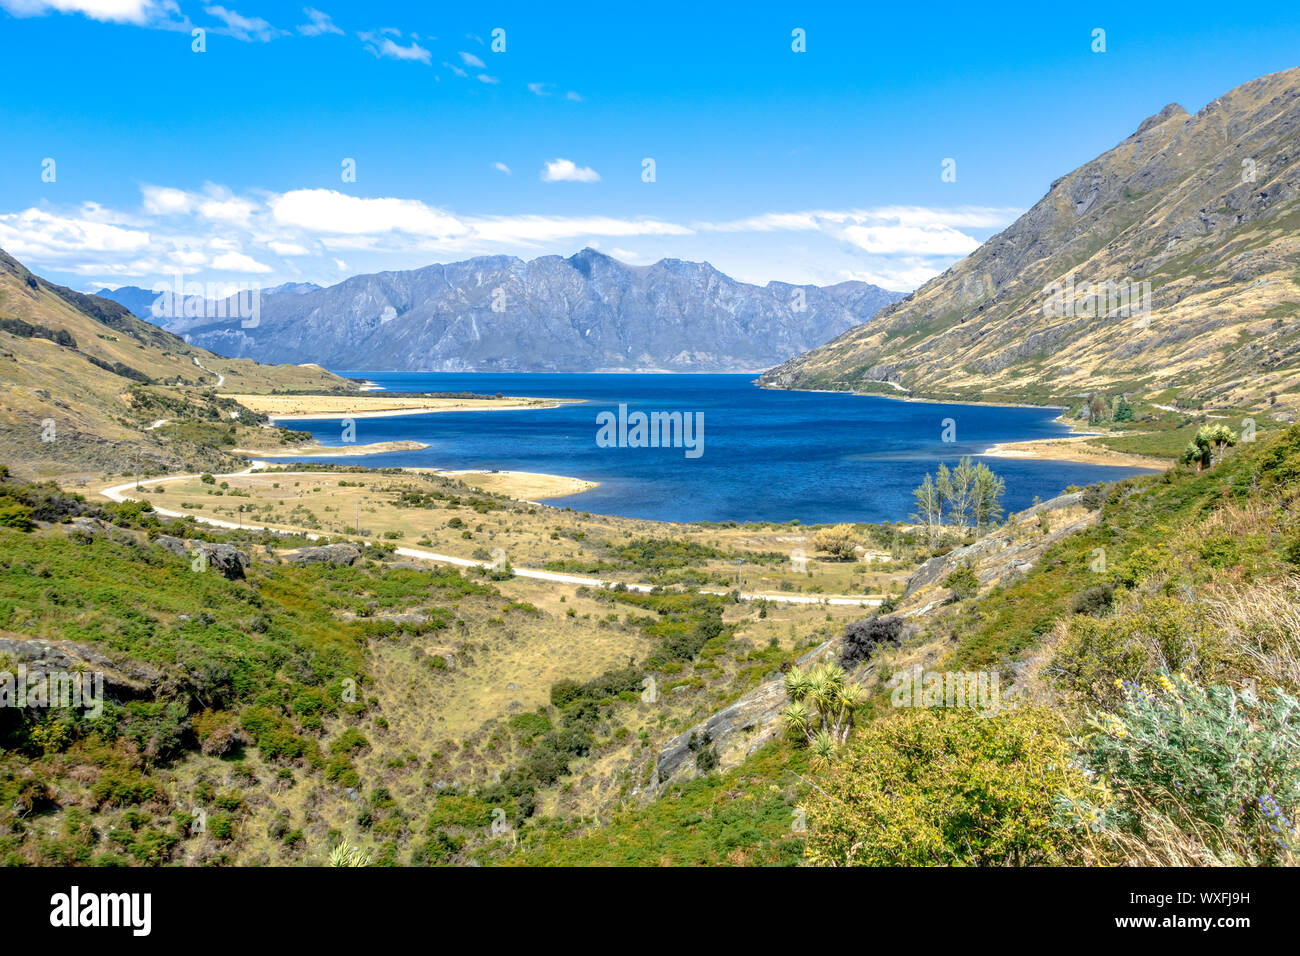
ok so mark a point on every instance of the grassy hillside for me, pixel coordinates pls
(431, 716)
(1158, 648)
(82, 379)
(398, 707)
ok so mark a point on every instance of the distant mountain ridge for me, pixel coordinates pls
(1205, 209)
(585, 313)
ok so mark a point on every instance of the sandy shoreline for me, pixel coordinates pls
(1073, 448)
(525, 485)
(332, 451)
(311, 407)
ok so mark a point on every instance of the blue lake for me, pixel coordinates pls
(767, 455)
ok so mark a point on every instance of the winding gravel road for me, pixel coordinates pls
(119, 493)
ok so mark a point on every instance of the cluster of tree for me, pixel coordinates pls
(27, 330)
(1099, 410)
(965, 497)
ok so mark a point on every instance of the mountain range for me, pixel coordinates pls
(1167, 267)
(585, 313)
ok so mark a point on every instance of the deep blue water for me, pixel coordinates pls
(768, 455)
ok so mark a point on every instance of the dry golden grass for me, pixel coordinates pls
(529, 535)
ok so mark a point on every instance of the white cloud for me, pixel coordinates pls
(37, 233)
(248, 29)
(327, 211)
(540, 89)
(384, 46)
(566, 171)
(926, 241)
(165, 201)
(469, 59)
(573, 96)
(296, 234)
(320, 24)
(454, 68)
(138, 12)
(287, 248)
(238, 262)
(501, 168)
(484, 78)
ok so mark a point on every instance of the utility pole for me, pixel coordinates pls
(740, 579)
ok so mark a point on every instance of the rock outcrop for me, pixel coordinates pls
(346, 554)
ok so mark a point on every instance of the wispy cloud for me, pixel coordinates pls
(298, 234)
(248, 29)
(501, 168)
(548, 89)
(567, 171)
(382, 45)
(320, 24)
(152, 14)
(469, 59)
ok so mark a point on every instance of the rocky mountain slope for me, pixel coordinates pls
(1203, 208)
(586, 313)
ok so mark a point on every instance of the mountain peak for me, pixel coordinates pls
(1169, 112)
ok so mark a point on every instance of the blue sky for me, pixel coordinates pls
(815, 166)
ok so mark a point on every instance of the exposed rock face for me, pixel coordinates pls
(175, 545)
(40, 657)
(347, 554)
(225, 559)
(734, 732)
(1201, 207)
(1004, 553)
(586, 313)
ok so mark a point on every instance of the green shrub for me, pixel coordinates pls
(950, 788)
(16, 516)
(1211, 771)
(963, 581)
(1093, 600)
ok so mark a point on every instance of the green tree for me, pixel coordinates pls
(1209, 446)
(986, 498)
(1096, 408)
(929, 508)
